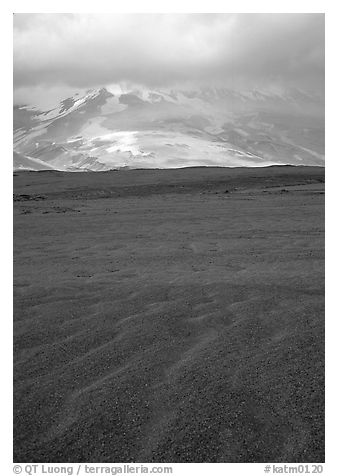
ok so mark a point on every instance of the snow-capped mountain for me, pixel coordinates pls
(163, 129)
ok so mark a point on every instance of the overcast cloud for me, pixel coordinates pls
(54, 52)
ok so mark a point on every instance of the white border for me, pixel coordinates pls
(173, 6)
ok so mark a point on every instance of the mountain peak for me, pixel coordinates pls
(98, 92)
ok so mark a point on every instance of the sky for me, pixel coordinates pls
(57, 54)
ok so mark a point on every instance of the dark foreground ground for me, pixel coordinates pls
(169, 316)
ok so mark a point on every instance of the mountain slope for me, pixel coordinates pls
(165, 129)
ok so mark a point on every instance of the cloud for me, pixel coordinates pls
(89, 50)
